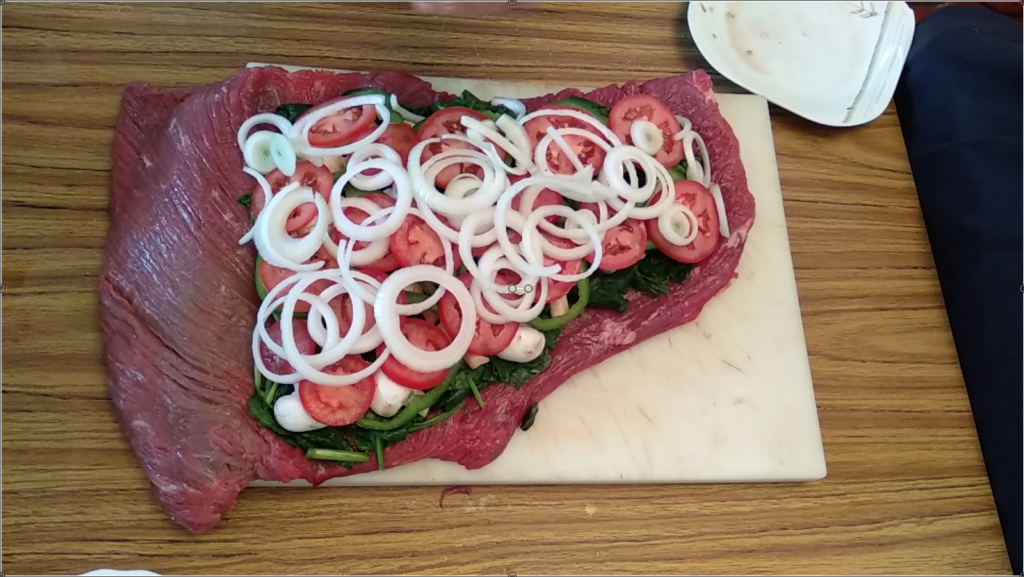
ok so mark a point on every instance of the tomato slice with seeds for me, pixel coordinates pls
(400, 137)
(303, 342)
(558, 289)
(422, 335)
(318, 178)
(649, 108)
(586, 150)
(339, 406)
(416, 243)
(346, 126)
(624, 245)
(448, 121)
(489, 339)
(695, 197)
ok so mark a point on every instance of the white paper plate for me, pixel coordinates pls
(834, 63)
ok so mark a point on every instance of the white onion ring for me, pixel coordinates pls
(267, 195)
(255, 152)
(522, 156)
(373, 252)
(299, 132)
(666, 225)
(389, 322)
(646, 136)
(272, 240)
(723, 218)
(406, 114)
(530, 229)
(278, 121)
(578, 115)
(403, 202)
(383, 178)
(493, 184)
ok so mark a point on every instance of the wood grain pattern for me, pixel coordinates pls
(906, 492)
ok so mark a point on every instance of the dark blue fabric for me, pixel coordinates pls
(960, 103)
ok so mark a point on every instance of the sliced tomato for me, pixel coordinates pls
(547, 197)
(303, 342)
(448, 121)
(695, 197)
(339, 406)
(649, 108)
(422, 335)
(342, 305)
(277, 180)
(624, 245)
(558, 289)
(342, 128)
(319, 178)
(489, 339)
(585, 149)
(271, 276)
(416, 243)
(387, 263)
(400, 137)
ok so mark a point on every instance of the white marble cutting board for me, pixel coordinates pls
(726, 398)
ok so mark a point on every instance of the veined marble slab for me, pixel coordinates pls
(726, 398)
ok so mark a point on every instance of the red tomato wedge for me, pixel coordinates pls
(558, 289)
(339, 406)
(303, 342)
(700, 202)
(448, 121)
(416, 243)
(387, 263)
(346, 126)
(646, 107)
(422, 335)
(488, 339)
(586, 150)
(624, 245)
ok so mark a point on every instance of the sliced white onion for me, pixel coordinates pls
(679, 216)
(521, 155)
(530, 233)
(490, 263)
(491, 187)
(377, 249)
(502, 213)
(723, 218)
(646, 136)
(403, 202)
(406, 114)
(461, 186)
(256, 151)
(283, 153)
(274, 243)
(389, 321)
(578, 115)
(620, 157)
(299, 132)
(516, 106)
(382, 178)
(514, 132)
(278, 121)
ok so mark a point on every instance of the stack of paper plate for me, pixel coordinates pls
(835, 63)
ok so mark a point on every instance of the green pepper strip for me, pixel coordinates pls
(476, 394)
(269, 399)
(415, 297)
(332, 455)
(413, 407)
(575, 310)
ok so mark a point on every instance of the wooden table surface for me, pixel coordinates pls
(906, 490)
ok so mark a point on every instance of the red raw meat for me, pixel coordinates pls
(177, 299)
